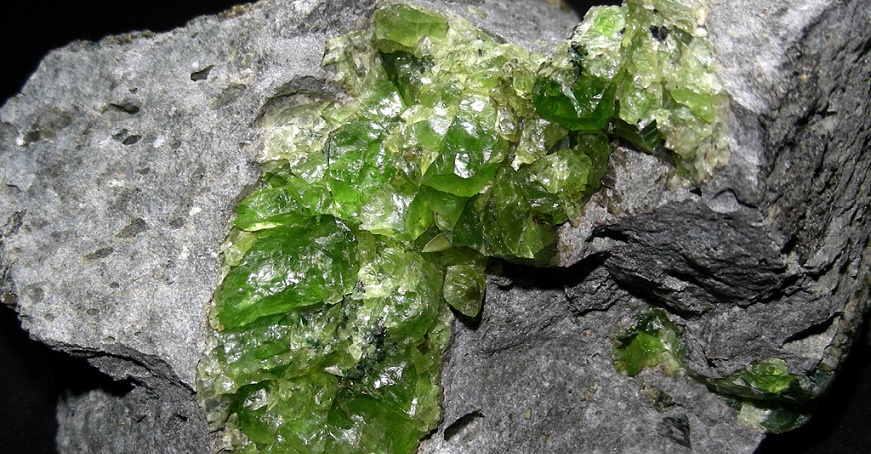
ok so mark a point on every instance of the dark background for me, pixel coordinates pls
(32, 377)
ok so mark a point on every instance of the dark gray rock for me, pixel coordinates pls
(123, 160)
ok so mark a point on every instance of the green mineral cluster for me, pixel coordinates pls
(378, 211)
(645, 72)
(767, 397)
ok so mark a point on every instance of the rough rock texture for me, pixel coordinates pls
(122, 162)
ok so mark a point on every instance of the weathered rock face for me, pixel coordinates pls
(123, 160)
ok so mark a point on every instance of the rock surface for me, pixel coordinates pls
(123, 160)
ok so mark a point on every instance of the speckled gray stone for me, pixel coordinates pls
(122, 162)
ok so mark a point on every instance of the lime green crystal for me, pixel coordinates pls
(768, 397)
(651, 341)
(377, 213)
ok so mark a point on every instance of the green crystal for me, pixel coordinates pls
(288, 267)
(772, 420)
(768, 377)
(465, 280)
(768, 397)
(287, 201)
(651, 341)
(645, 64)
(399, 26)
(769, 383)
(464, 288)
(377, 213)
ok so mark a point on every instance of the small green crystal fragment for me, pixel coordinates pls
(234, 248)
(768, 397)
(402, 26)
(464, 288)
(767, 380)
(769, 376)
(773, 420)
(651, 341)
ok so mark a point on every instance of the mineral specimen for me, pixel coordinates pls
(376, 209)
(125, 159)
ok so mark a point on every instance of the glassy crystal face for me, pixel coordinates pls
(768, 397)
(651, 341)
(377, 213)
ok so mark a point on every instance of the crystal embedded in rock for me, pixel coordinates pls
(646, 63)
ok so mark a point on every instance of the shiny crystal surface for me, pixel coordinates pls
(645, 72)
(651, 341)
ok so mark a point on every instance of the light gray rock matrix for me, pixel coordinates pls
(122, 162)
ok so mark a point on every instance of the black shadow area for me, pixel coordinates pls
(32, 378)
(582, 6)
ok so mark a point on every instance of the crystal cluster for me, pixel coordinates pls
(646, 73)
(769, 398)
(379, 211)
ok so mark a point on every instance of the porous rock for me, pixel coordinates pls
(123, 161)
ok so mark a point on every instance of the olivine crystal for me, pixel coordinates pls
(377, 213)
(768, 397)
(646, 72)
(651, 341)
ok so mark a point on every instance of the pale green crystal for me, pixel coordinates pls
(769, 398)
(464, 288)
(650, 64)
(652, 340)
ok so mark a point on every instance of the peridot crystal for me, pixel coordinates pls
(768, 397)
(645, 72)
(377, 212)
(651, 341)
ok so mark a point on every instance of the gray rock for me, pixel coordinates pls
(123, 160)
